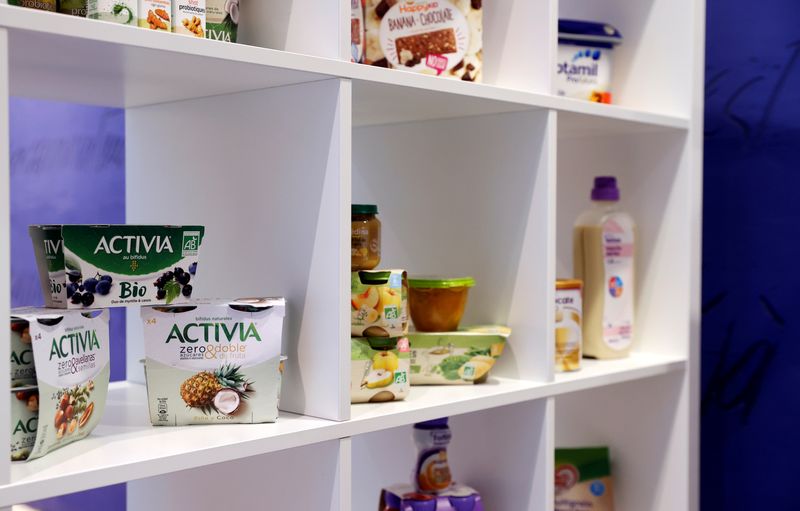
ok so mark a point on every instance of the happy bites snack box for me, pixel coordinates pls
(436, 37)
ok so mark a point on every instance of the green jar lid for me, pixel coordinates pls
(440, 283)
(363, 209)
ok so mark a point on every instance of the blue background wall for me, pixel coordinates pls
(750, 350)
(751, 354)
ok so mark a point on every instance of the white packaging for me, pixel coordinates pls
(584, 64)
(115, 11)
(189, 17)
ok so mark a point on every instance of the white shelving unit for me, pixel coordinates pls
(272, 141)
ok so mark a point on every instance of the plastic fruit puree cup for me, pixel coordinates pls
(437, 304)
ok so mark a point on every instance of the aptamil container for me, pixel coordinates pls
(604, 241)
(583, 68)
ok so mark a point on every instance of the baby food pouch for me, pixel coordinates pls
(583, 480)
(213, 362)
(71, 351)
(115, 11)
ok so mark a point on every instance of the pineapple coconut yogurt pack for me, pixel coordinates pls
(214, 362)
(70, 372)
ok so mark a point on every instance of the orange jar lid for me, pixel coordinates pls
(569, 284)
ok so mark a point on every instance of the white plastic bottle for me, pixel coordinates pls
(604, 241)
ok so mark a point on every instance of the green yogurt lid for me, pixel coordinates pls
(363, 209)
(440, 283)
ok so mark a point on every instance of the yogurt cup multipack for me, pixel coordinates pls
(71, 353)
(583, 67)
(214, 362)
(97, 266)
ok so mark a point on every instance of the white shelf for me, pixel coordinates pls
(126, 447)
(106, 64)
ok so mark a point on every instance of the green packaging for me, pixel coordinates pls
(42, 5)
(24, 421)
(97, 266)
(222, 20)
(72, 7)
(71, 352)
(378, 369)
(583, 479)
(114, 11)
(455, 358)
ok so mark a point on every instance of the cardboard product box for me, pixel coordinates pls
(71, 352)
(156, 15)
(213, 362)
(97, 266)
(436, 37)
(379, 303)
(123, 12)
(583, 479)
(189, 17)
(455, 358)
(378, 369)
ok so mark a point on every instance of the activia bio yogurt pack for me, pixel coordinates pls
(214, 362)
(82, 266)
(71, 353)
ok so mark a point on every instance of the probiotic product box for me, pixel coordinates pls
(98, 266)
(214, 362)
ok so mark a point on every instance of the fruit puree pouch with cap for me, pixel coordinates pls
(432, 473)
(604, 241)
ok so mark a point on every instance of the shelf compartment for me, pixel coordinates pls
(125, 447)
(124, 67)
(646, 428)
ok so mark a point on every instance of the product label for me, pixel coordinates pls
(115, 11)
(155, 14)
(106, 266)
(568, 329)
(213, 363)
(583, 72)
(583, 480)
(44, 5)
(71, 352)
(356, 30)
(450, 358)
(424, 34)
(618, 248)
(189, 17)
(73, 7)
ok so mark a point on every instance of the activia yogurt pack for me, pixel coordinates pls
(83, 266)
(213, 362)
(583, 68)
(71, 354)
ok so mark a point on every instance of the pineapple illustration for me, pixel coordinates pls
(220, 391)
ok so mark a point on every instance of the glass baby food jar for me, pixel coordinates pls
(437, 304)
(365, 237)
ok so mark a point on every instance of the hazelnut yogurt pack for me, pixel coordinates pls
(97, 266)
(213, 362)
(71, 354)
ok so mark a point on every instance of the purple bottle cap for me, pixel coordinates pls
(605, 189)
(466, 503)
(432, 424)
